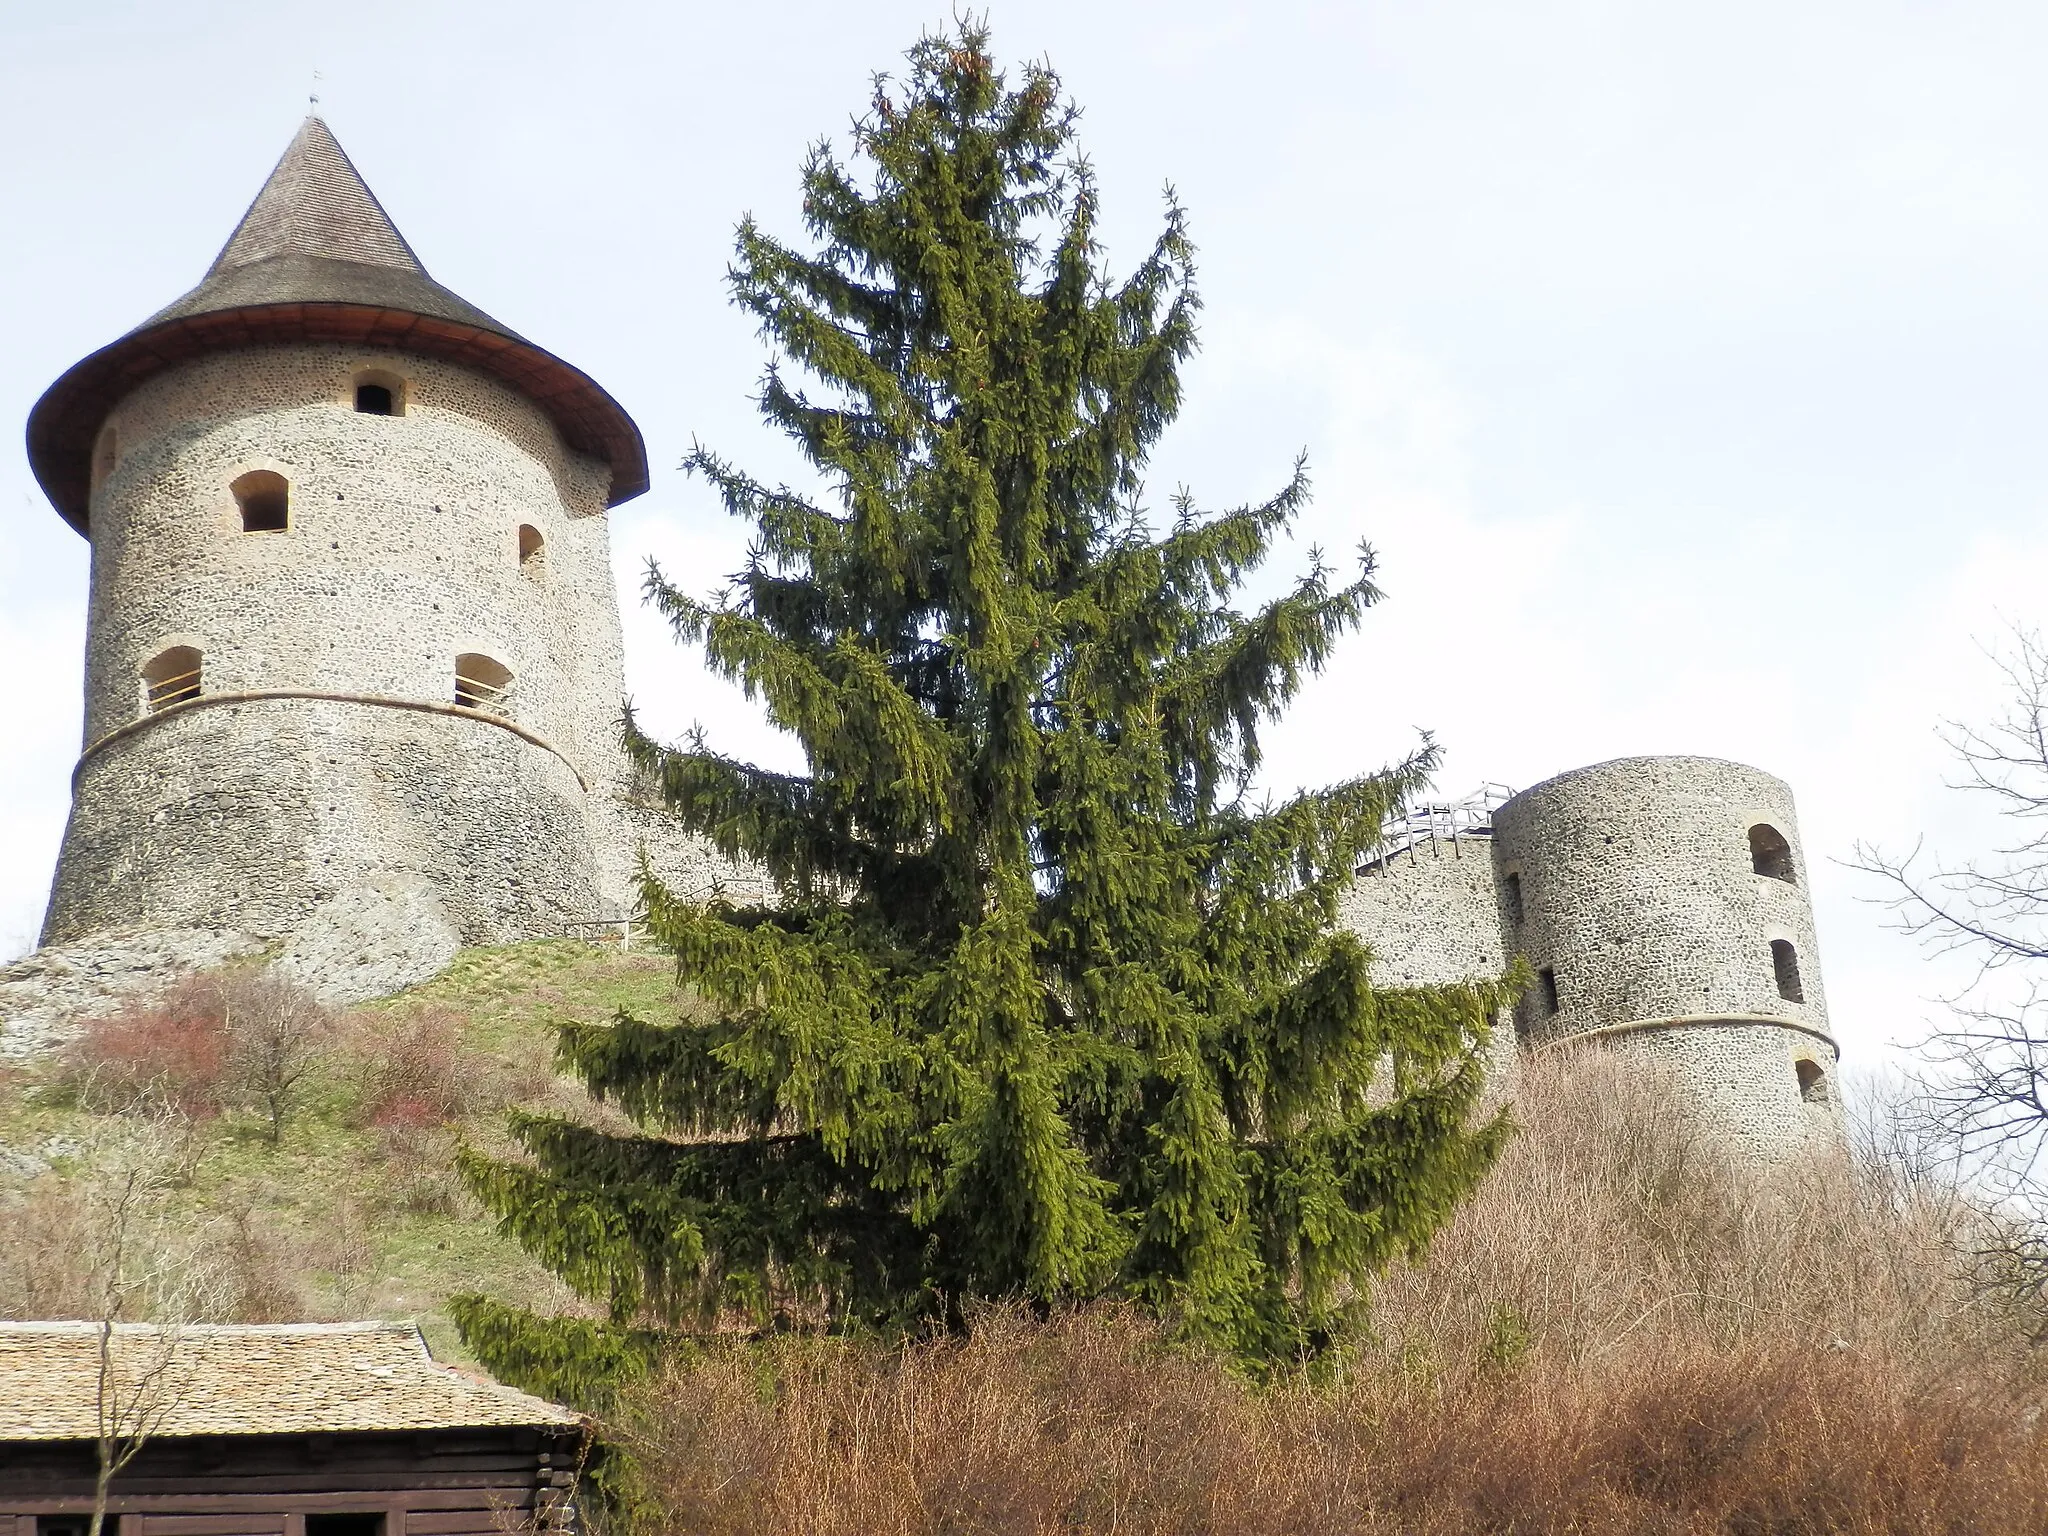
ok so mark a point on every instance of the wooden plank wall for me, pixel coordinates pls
(465, 1483)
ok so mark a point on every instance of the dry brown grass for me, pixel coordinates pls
(1619, 1334)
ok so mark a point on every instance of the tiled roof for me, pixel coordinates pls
(256, 1379)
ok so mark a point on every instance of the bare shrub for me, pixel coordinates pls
(1621, 1332)
(410, 1068)
(1615, 1216)
(345, 1251)
(256, 1269)
(222, 1039)
(105, 1239)
(44, 1263)
(1091, 1423)
(417, 1172)
(276, 1033)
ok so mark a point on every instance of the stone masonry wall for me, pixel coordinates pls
(1639, 896)
(1637, 892)
(1431, 915)
(368, 841)
(1632, 884)
(403, 549)
(364, 839)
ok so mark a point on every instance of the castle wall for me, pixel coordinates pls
(1430, 915)
(402, 550)
(370, 843)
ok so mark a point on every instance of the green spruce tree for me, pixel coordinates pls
(1044, 1007)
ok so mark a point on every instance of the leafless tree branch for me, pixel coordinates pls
(1986, 1089)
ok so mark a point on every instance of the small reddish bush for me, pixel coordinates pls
(175, 1049)
(231, 1038)
(411, 1069)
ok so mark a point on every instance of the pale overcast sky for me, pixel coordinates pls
(1682, 361)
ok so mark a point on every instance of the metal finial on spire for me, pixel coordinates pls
(313, 92)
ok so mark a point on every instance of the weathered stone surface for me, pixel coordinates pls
(373, 940)
(47, 995)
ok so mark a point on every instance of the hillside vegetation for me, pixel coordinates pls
(356, 1211)
(1619, 1333)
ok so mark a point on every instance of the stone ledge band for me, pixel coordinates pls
(248, 696)
(1689, 1021)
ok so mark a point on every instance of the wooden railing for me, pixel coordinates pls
(174, 690)
(475, 693)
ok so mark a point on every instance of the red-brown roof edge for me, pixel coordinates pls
(66, 420)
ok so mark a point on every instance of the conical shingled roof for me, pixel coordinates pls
(316, 204)
(317, 259)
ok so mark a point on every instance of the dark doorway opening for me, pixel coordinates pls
(345, 1525)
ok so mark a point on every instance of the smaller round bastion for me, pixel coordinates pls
(1661, 907)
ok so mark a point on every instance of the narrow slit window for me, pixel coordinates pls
(1546, 979)
(170, 677)
(1785, 968)
(1514, 900)
(1770, 854)
(266, 501)
(1813, 1082)
(106, 456)
(532, 549)
(481, 682)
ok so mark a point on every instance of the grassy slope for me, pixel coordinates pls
(350, 1219)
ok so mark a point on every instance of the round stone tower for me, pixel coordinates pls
(353, 661)
(1661, 905)
(1662, 902)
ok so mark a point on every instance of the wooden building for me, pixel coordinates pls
(330, 1429)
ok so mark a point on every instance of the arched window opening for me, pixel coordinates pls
(266, 501)
(532, 549)
(1770, 854)
(1785, 966)
(170, 677)
(1514, 899)
(380, 394)
(105, 455)
(1813, 1082)
(481, 682)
